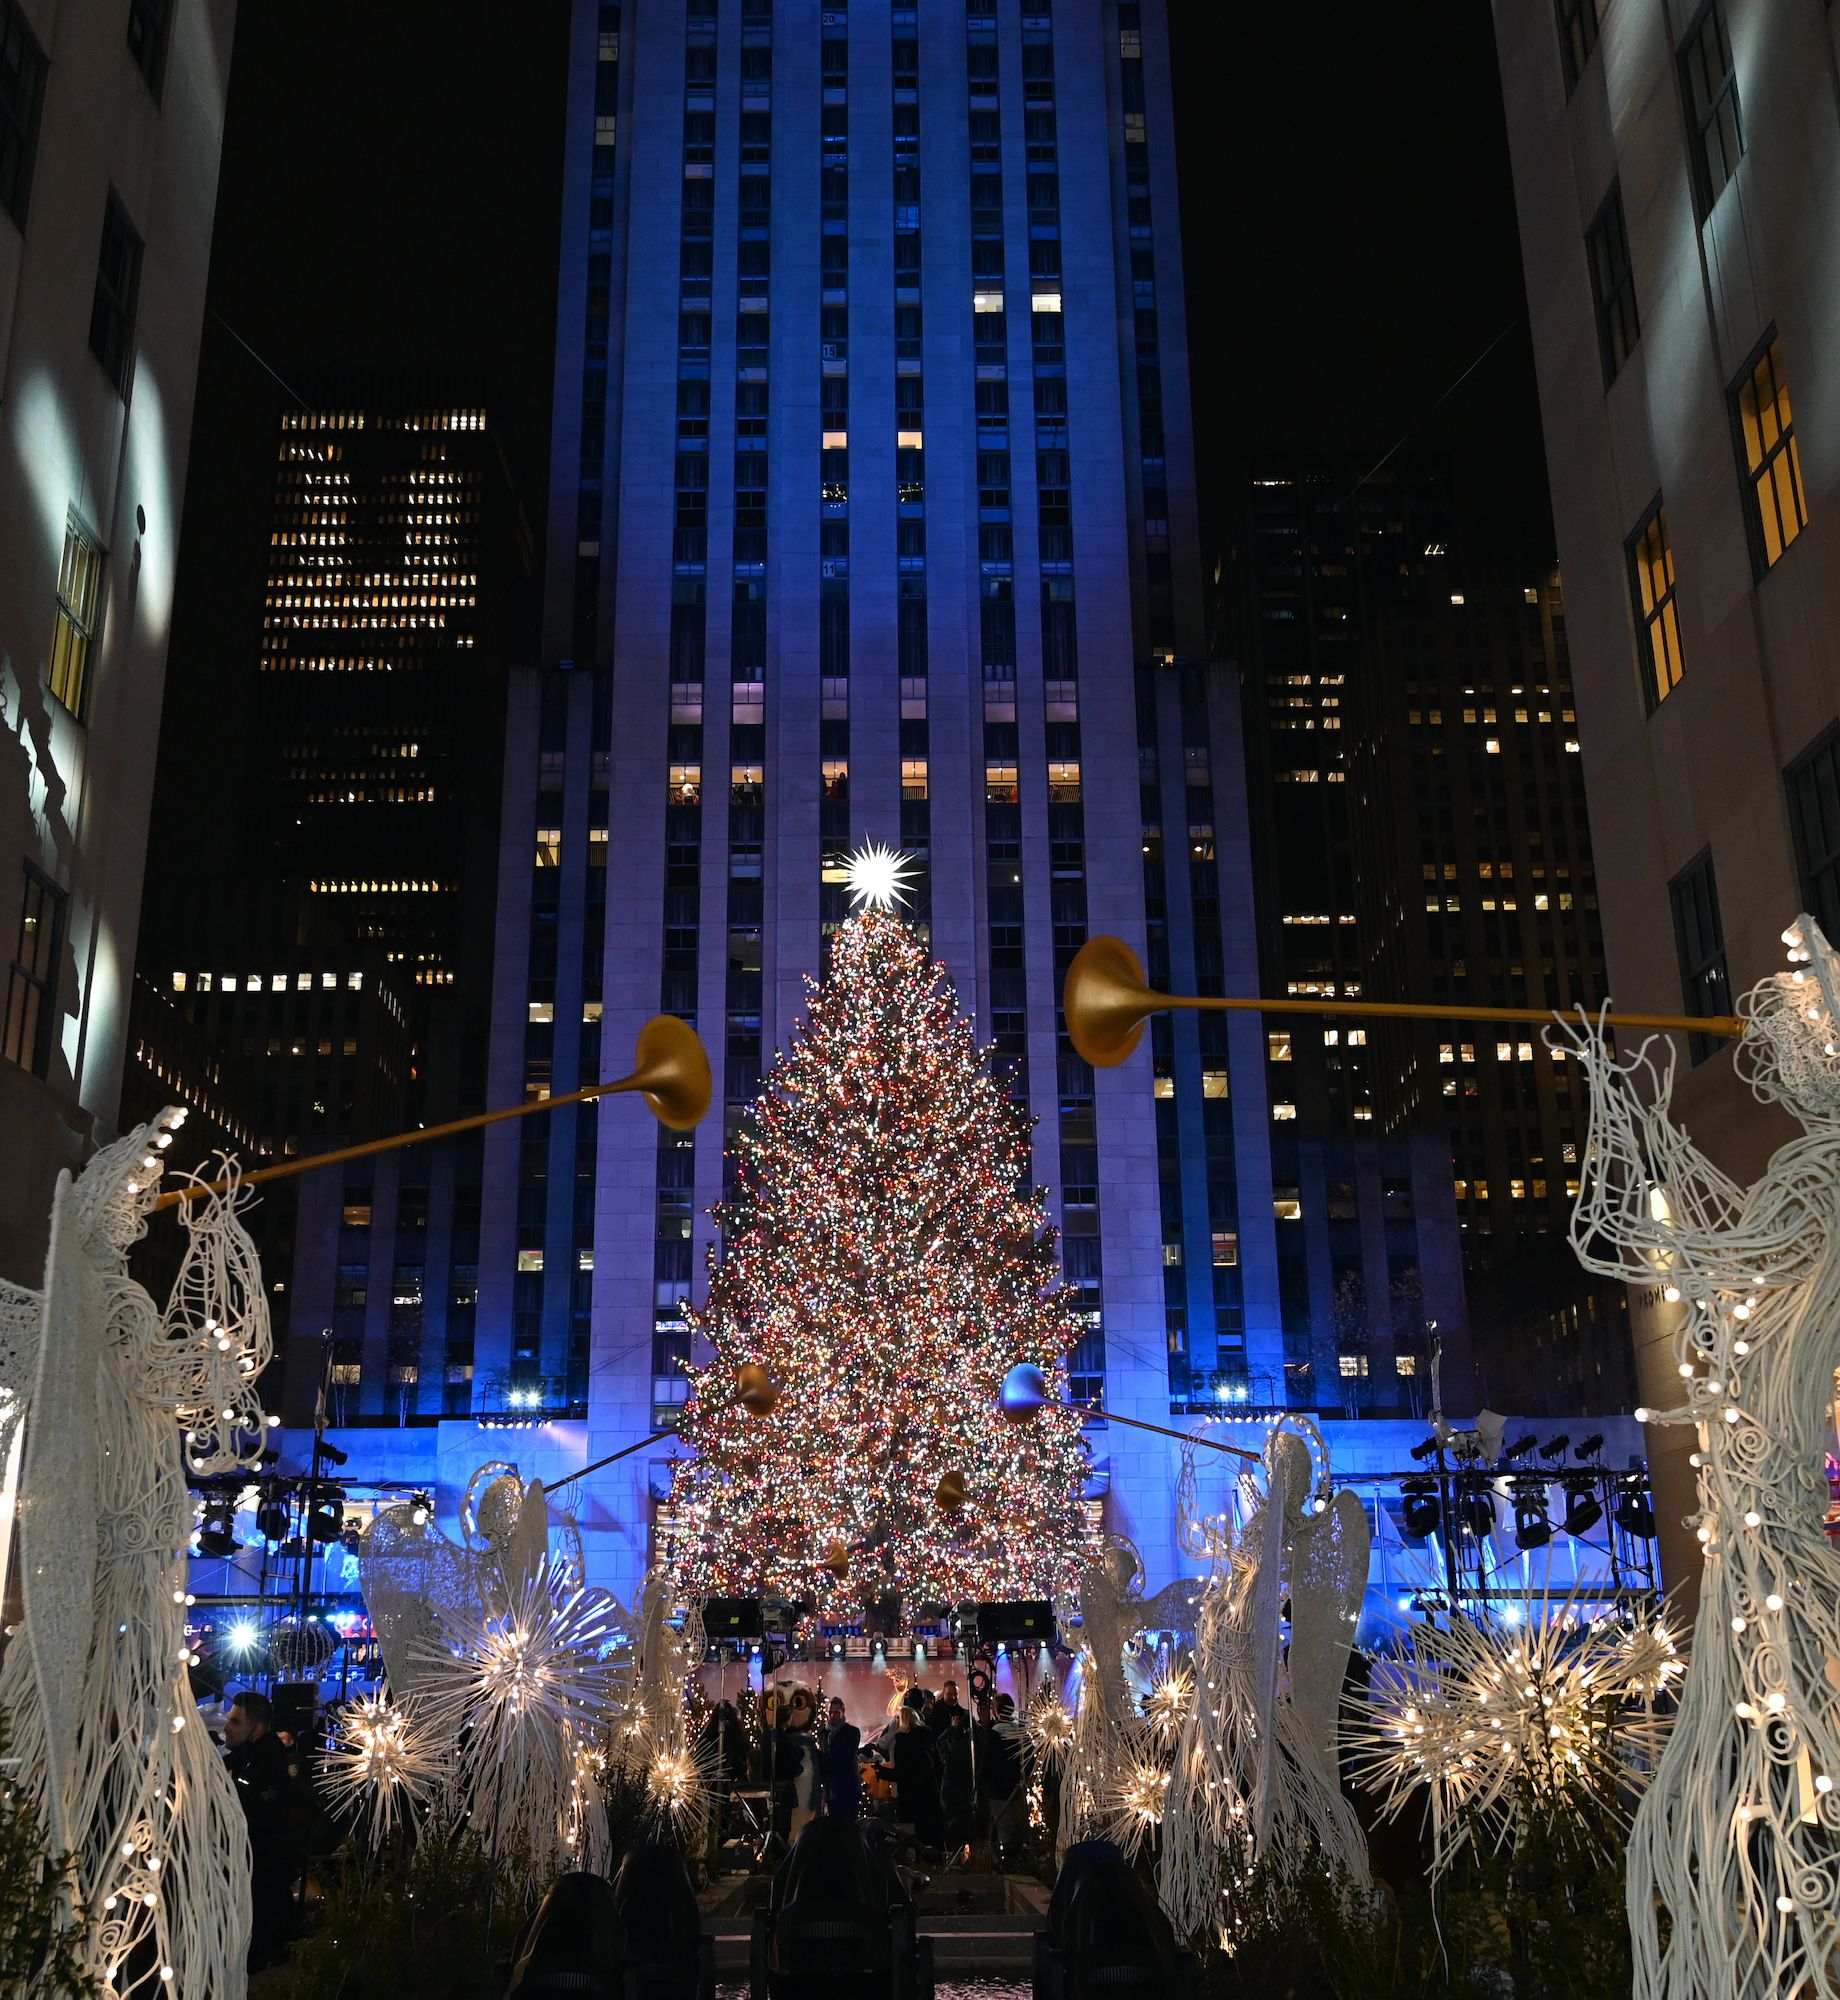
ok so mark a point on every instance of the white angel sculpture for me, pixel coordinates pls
(1738, 1838)
(118, 1399)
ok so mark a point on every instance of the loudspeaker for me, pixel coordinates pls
(732, 1618)
(1010, 1622)
(292, 1705)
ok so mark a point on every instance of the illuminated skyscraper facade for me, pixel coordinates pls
(871, 518)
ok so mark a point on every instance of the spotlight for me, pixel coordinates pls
(332, 1454)
(1532, 1527)
(215, 1538)
(242, 1636)
(350, 1539)
(1475, 1511)
(1421, 1452)
(1587, 1448)
(327, 1518)
(272, 1520)
(1554, 1447)
(1635, 1511)
(1583, 1509)
(421, 1509)
(1421, 1511)
(1519, 1448)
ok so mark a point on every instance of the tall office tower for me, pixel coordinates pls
(1425, 839)
(870, 481)
(111, 123)
(339, 954)
(1670, 173)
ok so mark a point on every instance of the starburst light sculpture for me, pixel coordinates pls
(381, 1766)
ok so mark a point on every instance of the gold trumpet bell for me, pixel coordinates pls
(1106, 1000)
(672, 1074)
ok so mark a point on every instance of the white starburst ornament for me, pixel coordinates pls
(877, 877)
(381, 1766)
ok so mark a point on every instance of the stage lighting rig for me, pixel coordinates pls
(1519, 1448)
(1587, 1449)
(1555, 1447)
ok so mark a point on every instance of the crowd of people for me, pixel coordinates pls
(949, 1777)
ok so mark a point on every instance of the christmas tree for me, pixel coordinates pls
(887, 1264)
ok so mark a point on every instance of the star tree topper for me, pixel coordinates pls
(877, 877)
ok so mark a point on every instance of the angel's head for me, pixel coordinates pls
(1791, 1048)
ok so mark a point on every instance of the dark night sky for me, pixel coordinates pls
(389, 194)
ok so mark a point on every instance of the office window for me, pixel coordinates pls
(22, 91)
(118, 284)
(1772, 463)
(1714, 125)
(1651, 574)
(31, 987)
(1813, 783)
(148, 22)
(1699, 937)
(79, 595)
(1613, 285)
(1577, 37)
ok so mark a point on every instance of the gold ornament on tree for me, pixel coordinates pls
(756, 1391)
(950, 1492)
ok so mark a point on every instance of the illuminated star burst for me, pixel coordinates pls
(1166, 1705)
(1138, 1804)
(381, 1766)
(1050, 1730)
(1502, 1724)
(877, 877)
(521, 1693)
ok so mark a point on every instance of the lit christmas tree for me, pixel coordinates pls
(887, 1265)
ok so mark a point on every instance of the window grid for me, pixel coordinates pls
(1813, 784)
(118, 284)
(1613, 286)
(31, 989)
(1710, 84)
(148, 23)
(1772, 460)
(1699, 936)
(79, 593)
(1577, 37)
(22, 89)
(1651, 562)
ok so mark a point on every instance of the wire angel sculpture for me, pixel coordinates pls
(1736, 1837)
(1253, 1777)
(119, 1398)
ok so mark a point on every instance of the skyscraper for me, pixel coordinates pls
(336, 956)
(871, 518)
(111, 123)
(1670, 165)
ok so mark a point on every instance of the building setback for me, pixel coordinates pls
(1673, 167)
(111, 124)
(871, 518)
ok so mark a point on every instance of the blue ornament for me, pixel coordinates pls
(1025, 1389)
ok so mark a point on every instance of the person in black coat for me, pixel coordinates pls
(916, 1780)
(956, 1796)
(258, 1763)
(842, 1781)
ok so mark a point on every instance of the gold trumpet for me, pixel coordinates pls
(1107, 1000)
(671, 1074)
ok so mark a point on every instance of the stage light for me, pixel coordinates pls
(1587, 1448)
(242, 1636)
(272, 1520)
(1475, 1510)
(1635, 1511)
(1421, 1511)
(1555, 1447)
(215, 1538)
(327, 1518)
(1532, 1525)
(1421, 1452)
(332, 1454)
(1519, 1448)
(1583, 1509)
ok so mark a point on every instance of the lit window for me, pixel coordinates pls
(1172, 1253)
(79, 592)
(355, 980)
(549, 847)
(913, 778)
(530, 1260)
(597, 847)
(1282, 1114)
(1214, 1083)
(1163, 1086)
(1772, 459)
(909, 441)
(987, 302)
(750, 703)
(686, 783)
(1046, 302)
(31, 988)
(1000, 784)
(1651, 564)
(1710, 84)
(1405, 1364)
(591, 1011)
(178, 982)
(1278, 1045)
(1286, 1206)
(542, 1010)
(836, 441)
(1226, 1247)
(355, 1215)
(1353, 1366)
(1064, 782)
